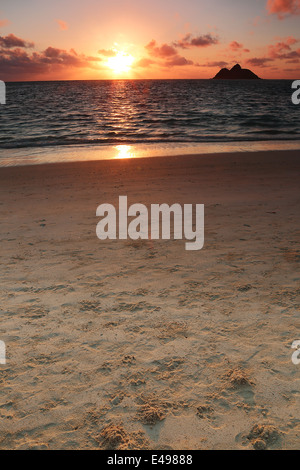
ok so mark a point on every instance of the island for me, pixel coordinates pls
(236, 73)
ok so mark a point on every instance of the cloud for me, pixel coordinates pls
(52, 52)
(283, 8)
(54, 56)
(291, 41)
(291, 70)
(235, 46)
(283, 50)
(289, 55)
(4, 22)
(259, 61)
(107, 52)
(63, 26)
(220, 64)
(276, 50)
(204, 40)
(160, 51)
(178, 61)
(16, 62)
(144, 62)
(167, 54)
(11, 41)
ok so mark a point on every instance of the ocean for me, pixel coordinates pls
(41, 117)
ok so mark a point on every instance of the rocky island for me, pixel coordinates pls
(236, 73)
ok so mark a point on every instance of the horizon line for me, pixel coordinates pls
(141, 79)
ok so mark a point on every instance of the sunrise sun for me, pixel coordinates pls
(121, 62)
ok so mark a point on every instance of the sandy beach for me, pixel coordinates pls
(141, 344)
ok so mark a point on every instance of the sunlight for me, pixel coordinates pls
(124, 151)
(121, 62)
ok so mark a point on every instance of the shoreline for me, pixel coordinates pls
(81, 153)
(277, 160)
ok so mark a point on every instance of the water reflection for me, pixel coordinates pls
(124, 151)
(57, 154)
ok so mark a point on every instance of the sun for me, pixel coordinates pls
(120, 62)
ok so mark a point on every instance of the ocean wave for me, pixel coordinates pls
(156, 111)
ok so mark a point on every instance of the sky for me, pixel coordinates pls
(139, 39)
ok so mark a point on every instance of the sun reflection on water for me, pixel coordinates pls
(124, 151)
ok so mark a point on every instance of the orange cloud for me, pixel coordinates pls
(13, 41)
(220, 64)
(283, 8)
(235, 46)
(168, 54)
(107, 52)
(144, 62)
(283, 50)
(63, 26)
(160, 51)
(178, 61)
(204, 40)
(16, 62)
(4, 22)
(259, 61)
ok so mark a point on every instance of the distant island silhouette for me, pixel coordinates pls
(236, 73)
